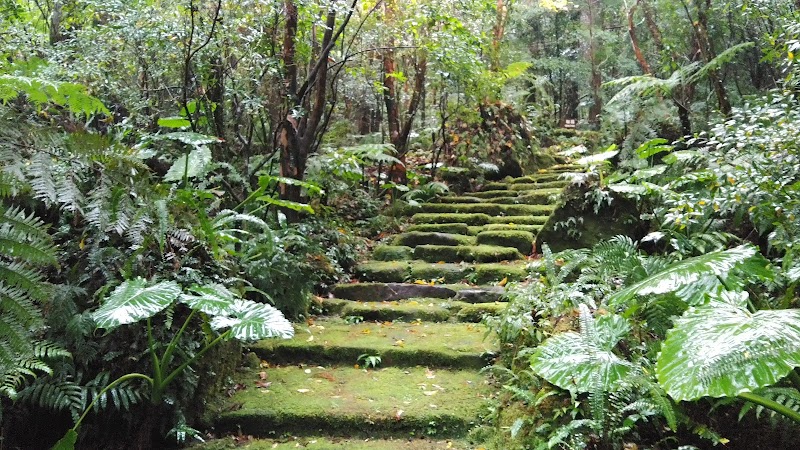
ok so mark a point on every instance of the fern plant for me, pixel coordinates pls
(220, 309)
(25, 247)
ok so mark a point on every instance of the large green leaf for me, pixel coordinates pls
(199, 160)
(251, 321)
(584, 361)
(690, 278)
(212, 299)
(134, 300)
(721, 350)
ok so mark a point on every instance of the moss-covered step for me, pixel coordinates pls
(512, 226)
(425, 309)
(466, 253)
(487, 208)
(481, 273)
(544, 185)
(521, 240)
(334, 443)
(534, 197)
(477, 311)
(379, 292)
(538, 219)
(450, 228)
(537, 178)
(348, 402)
(392, 253)
(467, 219)
(459, 199)
(415, 238)
(405, 344)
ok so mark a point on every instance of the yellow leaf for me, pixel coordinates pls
(420, 282)
(503, 282)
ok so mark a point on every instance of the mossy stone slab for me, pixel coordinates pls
(492, 273)
(424, 309)
(392, 253)
(459, 199)
(477, 311)
(450, 228)
(440, 272)
(415, 238)
(487, 208)
(380, 292)
(336, 443)
(402, 344)
(538, 178)
(521, 240)
(542, 185)
(345, 401)
(382, 271)
(536, 219)
(503, 227)
(467, 219)
(485, 294)
(475, 253)
(492, 194)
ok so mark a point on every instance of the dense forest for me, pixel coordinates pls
(182, 180)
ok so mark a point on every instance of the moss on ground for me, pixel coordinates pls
(521, 240)
(476, 311)
(538, 178)
(451, 228)
(535, 219)
(345, 401)
(425, 309)
(490, 273)
(398, 343)
(475, 253)
(442, 273)
(415, 238)
(392, 253)
(459, 199)
(492, 194)
(505, 226)
(491, 209)
(467, 219)
(329, 443)
(543, 185)
(382, 271)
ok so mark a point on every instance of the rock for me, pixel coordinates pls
(481, 295)
(382, 292)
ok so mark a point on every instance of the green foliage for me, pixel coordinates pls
(39, 91)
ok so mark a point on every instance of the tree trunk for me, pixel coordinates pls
(596, 75)
(637, 50)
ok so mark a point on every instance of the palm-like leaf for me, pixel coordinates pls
(584, 361)
(196, 166)
(721, 349)
(249, 321)
(134, 300)
(691, 278)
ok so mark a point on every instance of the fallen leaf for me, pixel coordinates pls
(429, 393)
(503, 282)
(263, 384)
(307, 371)
(398, 415)
(303, 391)
(262, 375)
(429, 374)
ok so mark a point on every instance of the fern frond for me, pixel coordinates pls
(58, 396)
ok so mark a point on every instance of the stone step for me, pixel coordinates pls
(519, 220)
(466, 253)
(537, 178)
(450, 228)
(399, 344)
(490, 209)
(460, 218)
(458, 228)
(505, 186)
(400, 271)
(486, 301)
(316, 442)
(390, 291)
(518, 239)
(415, 238)
(349, 402)
(459, 199)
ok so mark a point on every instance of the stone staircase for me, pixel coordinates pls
(394, 362)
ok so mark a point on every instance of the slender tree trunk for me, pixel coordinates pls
(596, 76)
(707, 53)
(637, 50)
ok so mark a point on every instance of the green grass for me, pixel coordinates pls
(475, 253)
(328, 443)
(399, 344)
(345, 401)
(415, 238)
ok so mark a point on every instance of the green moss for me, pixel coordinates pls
(415, 238)
(445, 273)
(537, 219)
(353, 402)
(382, 272)
(429, 310)
(476, 253)
(399, 344)
(451, 228)
(492, 194)
(328, 443)
(392, 253)
(468, 219)
(521, 240)
(476, 311)
(537, 178)
(491, 273)
(542, 185)
(504, 226)
(496, 186)
(459, 199)
(487, 208)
